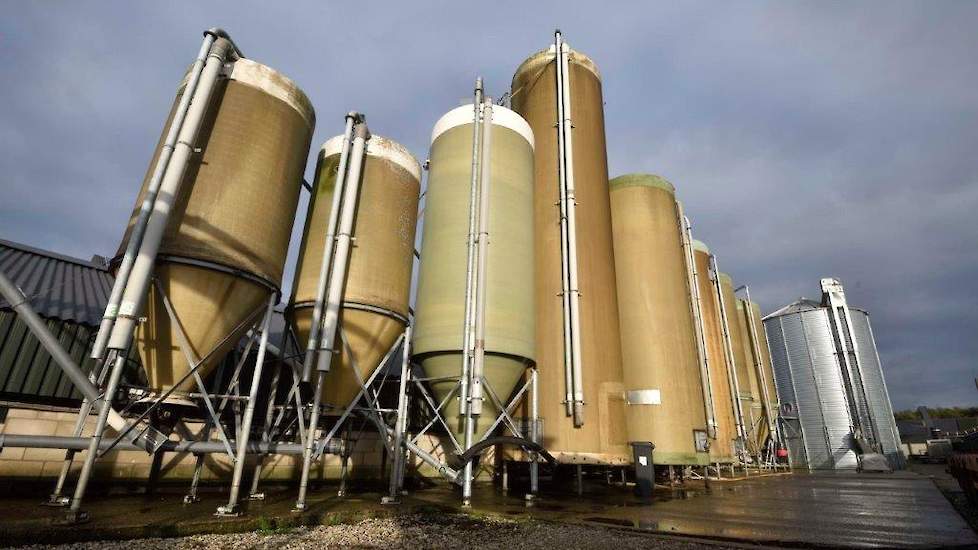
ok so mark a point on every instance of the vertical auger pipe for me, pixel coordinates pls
(686, 230)
(759, 363)
(468, 329)
(482, 261)
(244, 433)
(570, 204)
(146, 208)
(344, 242)
(562, 207)
(329, 243)
(728, 351)
(137, 286)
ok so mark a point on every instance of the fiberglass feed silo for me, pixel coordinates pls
(509, 308)
(224, 247)
(664, 399)
(590, 426)
(378, 280)
(724, 446)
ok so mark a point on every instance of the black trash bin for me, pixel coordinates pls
(644, 470)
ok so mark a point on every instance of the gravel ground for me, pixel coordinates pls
(413, 532)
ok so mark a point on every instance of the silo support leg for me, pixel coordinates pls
(534, 434)
(400, 424)
(300, 503)
(266, 434)
(231, 509)
(75, 513)
(97, 376)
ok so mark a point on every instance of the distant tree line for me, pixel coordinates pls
(937, 412)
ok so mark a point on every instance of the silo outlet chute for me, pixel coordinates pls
(663, 383)
(578, 345)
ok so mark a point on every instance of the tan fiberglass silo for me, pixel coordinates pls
(602, 437)
(224, 248)
(752, 406)
(723, 447)
(660, 362)
(765, 377)
(742, 359)
(509, 313)
(378, 284)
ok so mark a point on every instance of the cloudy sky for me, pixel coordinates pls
(806, 140)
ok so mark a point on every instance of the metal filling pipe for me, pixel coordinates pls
(468, 326)
(568, 198)
(137, 285)
(481, 275)
(728, 351)
(759, 362)
(562, 202)
(344, 241)
(39, 328)
(328, 246)
(169, 446)
(146, 208)
(686, 230)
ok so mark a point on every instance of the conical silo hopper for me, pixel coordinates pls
(602, 438)
(509, 309)
(223, 251)
(723, 448)
(663, 387)
(378, 284)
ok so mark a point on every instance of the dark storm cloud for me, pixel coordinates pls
(805, 140)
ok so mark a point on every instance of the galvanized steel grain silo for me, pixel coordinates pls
(663, 389)
(558, 92)
(378, 280)
(723, 448)
(834, 401)
(224, 246)
(509, 307)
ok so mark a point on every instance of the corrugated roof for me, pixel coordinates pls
(59, 287)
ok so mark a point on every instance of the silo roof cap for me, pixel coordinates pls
(501, 116)
(642, 180)
(537, 61)
(700, 246)
(379, 146)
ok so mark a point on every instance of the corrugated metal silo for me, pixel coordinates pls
(223, 251)
(376, 296)
(509, 310)
(602, 437)
(663, 389)
(723, 448)
(811, 387)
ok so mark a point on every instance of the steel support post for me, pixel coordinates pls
(97, 376)
(400, 423)
(231, 508)
(300, 503)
